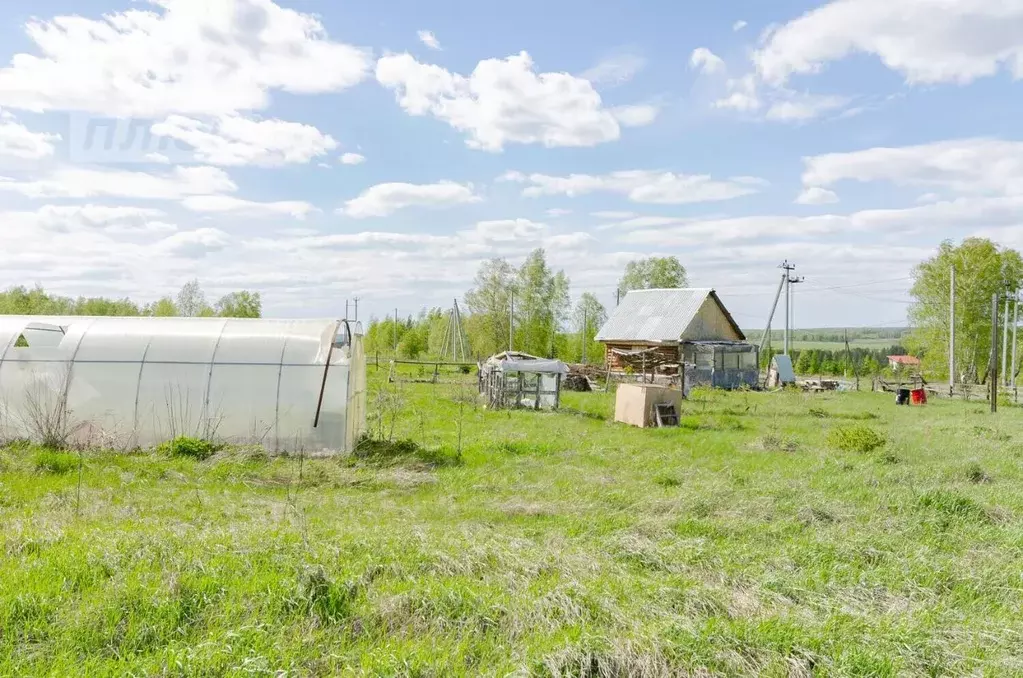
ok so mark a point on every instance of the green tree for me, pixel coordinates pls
(489, 304)
(982, 268)
(163, 308)
(243, 304)
(653, 273)
(191, 302)
(541, 306)
(588, 317)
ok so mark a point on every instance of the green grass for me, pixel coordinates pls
(743, 543)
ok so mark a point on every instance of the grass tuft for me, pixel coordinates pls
(59, 463)
(191, 448)
(857, 438)
(976, 474)
(954, 506)
(399, 452)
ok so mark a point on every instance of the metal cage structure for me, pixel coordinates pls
(286, 385)
(721, 364)
(520, 381)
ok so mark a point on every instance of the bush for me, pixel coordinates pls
(856, 439)
(56, 462)
(195, 448)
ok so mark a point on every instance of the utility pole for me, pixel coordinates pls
(618, 296)
(585, 338)
(511, 320)
(395, 333)
(356, 308)
(992, 363)
(764, 340)
(1005, 342)
(848, 352)
(788, 301)
(1015, 324)
(346, 309)
(952, 332)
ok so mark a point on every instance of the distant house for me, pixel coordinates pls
(906, 362)
(660, 329)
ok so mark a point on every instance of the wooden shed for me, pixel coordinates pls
(664, 328)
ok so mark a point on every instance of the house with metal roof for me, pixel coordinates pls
(658, 331)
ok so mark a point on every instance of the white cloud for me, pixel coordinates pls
(615, 70)
(815, 195)
(353, 159)
(741, 95)
(611, 214)
(739, 25)
(503, 101)
(641, 186)
(705, 61)
(16, 141)
(385, 199)
(229, 204)
(187, 57)
(927, 41)
(158, 158)
(61, 219)
(800, 107)
(429, 39)
(507, 230)
(637, 115)
(233, 140)
(195, 244)
(84, 182)
(970, 166)
(557, 212)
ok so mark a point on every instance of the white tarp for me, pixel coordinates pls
(539, 365)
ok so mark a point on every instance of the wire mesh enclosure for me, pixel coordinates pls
(519, 380)
(721, 364)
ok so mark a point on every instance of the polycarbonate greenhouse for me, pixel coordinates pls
(136, 382)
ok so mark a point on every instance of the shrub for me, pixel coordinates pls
(954, 505)
(184, 446)
(50, 461)
(856, 438)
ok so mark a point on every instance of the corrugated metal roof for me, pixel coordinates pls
(654, 315)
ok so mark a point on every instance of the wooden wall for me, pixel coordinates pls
(663, 353)
(710, 324)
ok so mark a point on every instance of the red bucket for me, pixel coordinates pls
(918, 396)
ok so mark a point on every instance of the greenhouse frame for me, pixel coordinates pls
(124, 383)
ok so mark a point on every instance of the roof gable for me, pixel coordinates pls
(659, 315)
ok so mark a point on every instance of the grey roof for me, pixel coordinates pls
(657, 315)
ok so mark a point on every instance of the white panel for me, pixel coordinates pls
(172, 389)
(243, 388)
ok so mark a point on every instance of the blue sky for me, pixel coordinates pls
(316, 151)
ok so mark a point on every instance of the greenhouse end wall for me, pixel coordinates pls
(137, 382)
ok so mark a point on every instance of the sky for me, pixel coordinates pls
(317, 151)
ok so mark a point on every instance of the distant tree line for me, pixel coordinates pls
(189, 302)
(529, 305)
(866, 362)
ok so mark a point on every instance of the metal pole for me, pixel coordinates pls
(511, 320)
(777, 295)
(1015, 325)
(585, 337)
(788, 295)
(356, 308)
(346, 309)
(1005, 343)
(992, 366)
(952, 332)
(395, 332)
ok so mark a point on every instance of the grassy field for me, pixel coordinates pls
(773, 534)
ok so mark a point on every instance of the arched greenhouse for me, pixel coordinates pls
(136, 382)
